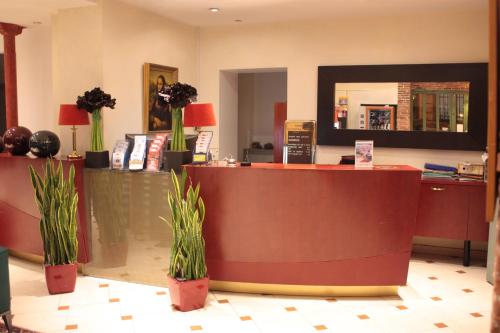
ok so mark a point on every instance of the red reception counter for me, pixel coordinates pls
(308, 229)
(19, 216)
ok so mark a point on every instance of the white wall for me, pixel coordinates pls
(34, 79)
(132, 37)
(302, 46)
(76, 65)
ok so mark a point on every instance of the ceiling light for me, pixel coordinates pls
(214, 9)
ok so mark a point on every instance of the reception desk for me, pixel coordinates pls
(308, 229)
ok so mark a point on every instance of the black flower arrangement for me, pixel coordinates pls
(95, 99)
(178, 95)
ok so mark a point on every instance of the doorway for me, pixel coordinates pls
(249, 102)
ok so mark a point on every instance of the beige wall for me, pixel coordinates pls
(98, 46)
(132, 37)
(76, 64)
(302, 46)
(34, 75)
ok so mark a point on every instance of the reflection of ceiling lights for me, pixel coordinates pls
(214, 9)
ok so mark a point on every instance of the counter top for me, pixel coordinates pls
(337, 167)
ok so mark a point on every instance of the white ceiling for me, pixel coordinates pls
(195, 12)
(25, 12)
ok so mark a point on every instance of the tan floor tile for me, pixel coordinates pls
(245, 318)
(320, 327)
(196, 328)
(476, 314)
(363, 317)
(71, 327)
(63, 307)
(290, 308)
(440, 325)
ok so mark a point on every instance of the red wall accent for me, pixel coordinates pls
(9, 32)
(19, 216)
(280, 114)
(308, 224)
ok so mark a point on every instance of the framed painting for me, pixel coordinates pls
(156, 113)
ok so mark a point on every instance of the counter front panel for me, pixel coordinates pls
(309, 224)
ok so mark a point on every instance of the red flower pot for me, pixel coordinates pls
(188, 295)
(61, 278)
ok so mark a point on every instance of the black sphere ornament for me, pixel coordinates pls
(44, 144)
(16, 140)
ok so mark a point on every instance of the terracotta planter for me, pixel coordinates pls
(188, 295)
(114, 254)
(61, 278)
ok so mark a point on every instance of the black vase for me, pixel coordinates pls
(97, 159)
(44, 144)
(173, 160)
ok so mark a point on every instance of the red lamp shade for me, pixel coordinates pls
(69, 114)
(198, 115)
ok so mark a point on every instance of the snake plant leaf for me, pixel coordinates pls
(57, 202)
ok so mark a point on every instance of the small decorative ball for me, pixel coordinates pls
(16, 140)
(44, 144)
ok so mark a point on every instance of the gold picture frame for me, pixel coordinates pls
(156, 116)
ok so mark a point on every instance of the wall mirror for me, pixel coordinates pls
(433, 106)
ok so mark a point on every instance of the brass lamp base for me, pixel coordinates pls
(74, 156)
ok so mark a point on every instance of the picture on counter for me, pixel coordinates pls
(156, 113)
(363, 154)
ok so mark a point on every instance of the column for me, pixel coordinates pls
(9, 32)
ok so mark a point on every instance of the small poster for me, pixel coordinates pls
(300, 142)
(363, 154)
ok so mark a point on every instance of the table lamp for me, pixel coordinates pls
(198, 115)
(69, 114)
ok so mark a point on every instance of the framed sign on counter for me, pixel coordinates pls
(300, 142)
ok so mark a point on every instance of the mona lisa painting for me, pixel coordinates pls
(156, 114)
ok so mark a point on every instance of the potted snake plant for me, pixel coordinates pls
(57, 202)
(187, 279)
